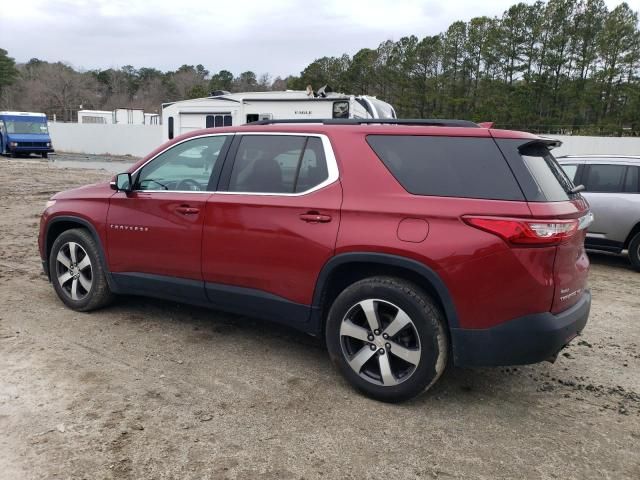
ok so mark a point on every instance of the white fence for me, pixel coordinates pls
(136, 140)
(577, 145)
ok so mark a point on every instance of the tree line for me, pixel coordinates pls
(557, 66)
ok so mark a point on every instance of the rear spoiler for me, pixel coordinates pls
(550, 143)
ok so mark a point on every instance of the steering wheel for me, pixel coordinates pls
(188, 184)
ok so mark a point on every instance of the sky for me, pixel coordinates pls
(280, 37)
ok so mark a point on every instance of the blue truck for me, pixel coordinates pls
(24, 133)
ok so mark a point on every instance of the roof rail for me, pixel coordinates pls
(432, 122)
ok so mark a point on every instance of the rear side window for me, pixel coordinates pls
(604, 178)
(447, 166)
(278, 164)
(632, 182)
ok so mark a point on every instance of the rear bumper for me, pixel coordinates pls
(525, 340)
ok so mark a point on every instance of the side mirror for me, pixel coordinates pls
(122, 183)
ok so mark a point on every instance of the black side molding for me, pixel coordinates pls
(259, 304)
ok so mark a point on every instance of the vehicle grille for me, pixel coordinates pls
(32, 144)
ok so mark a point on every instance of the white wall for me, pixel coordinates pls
(577, 145)
(136, 140)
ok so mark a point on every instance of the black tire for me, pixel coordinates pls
(427, 328)
(634, 251)
(44, 155)
(98, 294)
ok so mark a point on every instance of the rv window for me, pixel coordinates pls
(341, 109)
(222, 120)
(252, 117)
(170, 128)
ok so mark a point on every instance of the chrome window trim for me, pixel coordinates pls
(135, 172)
(332, 165)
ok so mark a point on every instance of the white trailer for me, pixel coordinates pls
(129, 116)
(227, 109)
(95, 116)
(152, 119)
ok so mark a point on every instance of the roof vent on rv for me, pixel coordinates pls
(218, 93)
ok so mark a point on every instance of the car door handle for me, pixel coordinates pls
(187, 210)
(315, 217)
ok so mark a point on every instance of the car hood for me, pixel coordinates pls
(95, 190)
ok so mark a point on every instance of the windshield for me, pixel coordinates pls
(26, 126)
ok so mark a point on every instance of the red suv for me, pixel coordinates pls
(406, 245)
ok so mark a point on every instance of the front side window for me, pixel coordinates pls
(604, 178)
(278, 164)
(184, 167)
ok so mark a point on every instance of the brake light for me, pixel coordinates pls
(526, 232)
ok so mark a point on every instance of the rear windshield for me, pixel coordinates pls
(551, 179)
(447, 166)
(539, 174)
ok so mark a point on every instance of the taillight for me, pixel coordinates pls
(526, 232)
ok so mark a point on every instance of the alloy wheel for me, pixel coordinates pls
(74, 272)
(380, 342)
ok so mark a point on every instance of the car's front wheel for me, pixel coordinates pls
(77, 272)
(634, 251)
(387, 337)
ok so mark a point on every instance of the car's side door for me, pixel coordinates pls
(272, 225)
(154, 233)
(608, 191)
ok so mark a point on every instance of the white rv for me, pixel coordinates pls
(225, 109)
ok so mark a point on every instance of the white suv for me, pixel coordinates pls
(612, 187)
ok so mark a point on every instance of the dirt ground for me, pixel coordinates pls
(155, 390)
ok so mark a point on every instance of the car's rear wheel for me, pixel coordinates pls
(634, 251)
(387, 337)
(77, 272)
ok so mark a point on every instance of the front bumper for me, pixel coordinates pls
(525, 340)
(31, 150)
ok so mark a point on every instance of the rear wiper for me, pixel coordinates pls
(577, 189)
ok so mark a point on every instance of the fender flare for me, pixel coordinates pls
(94, 233)
(424, 271)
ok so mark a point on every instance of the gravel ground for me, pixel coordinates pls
(155, 390)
